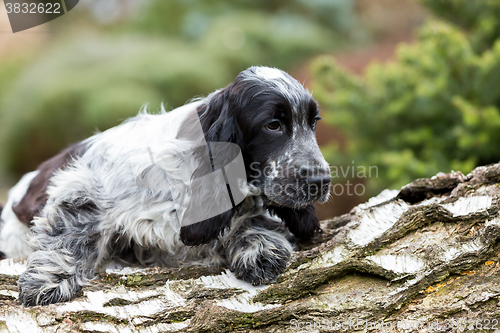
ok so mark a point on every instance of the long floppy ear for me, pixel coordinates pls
(303, 223)
(219, 125)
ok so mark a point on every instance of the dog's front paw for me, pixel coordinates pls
(260, 259)
(49, 278)
(35, 288)
(263, 272)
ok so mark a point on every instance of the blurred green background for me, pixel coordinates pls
(411, 87)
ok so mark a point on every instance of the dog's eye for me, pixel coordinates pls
(315, 120)
(274, 126)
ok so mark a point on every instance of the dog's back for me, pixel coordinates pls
(28, 197)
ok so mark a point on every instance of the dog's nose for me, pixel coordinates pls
(319, 181)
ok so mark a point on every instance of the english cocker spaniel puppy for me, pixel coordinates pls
(222, 180)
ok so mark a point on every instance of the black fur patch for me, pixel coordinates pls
(303, 223)
(205, 231)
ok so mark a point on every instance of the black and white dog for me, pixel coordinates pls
(87, 205)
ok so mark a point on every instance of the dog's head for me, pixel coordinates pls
(272, 118)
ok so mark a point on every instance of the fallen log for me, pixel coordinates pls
(422, 258)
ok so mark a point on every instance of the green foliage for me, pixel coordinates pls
(10, 67)
(94, 82)
(479, 17)
(436, 108)
(190, 19)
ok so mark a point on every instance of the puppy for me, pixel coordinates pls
(222, 180)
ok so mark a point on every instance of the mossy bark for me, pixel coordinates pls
(426, 257)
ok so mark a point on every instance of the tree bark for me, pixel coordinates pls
(423, 258)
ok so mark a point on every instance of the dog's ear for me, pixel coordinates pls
(303, 223)
(218, 121)
(205, 231)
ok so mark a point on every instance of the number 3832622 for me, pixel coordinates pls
(33, 8)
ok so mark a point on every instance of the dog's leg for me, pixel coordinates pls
(67, 248)
(258, 250)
